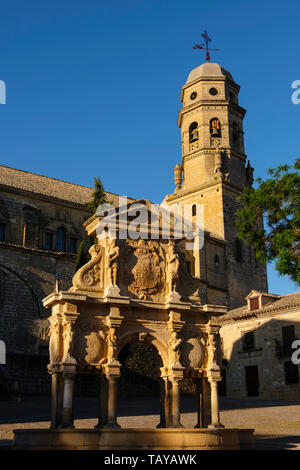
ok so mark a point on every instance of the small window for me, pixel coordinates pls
(60, 239)
(48, 241)
(291, 374)
(2, 232)
(72, 246)
(248, 340)
(238, 250)
(254, 303)
(188, 267)
(194, 210)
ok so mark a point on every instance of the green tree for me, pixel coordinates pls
(143, 359)
(98, 197)
(276, 201)
(82, 257)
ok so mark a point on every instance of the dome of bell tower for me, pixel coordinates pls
(208, 70)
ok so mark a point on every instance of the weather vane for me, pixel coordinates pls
(205, 46)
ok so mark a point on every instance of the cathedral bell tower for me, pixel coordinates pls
(213, 172)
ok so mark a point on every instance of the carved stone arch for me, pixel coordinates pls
(35, 297)
(133, 336)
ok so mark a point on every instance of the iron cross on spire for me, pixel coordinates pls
(205, 46)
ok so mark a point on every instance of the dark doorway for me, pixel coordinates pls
(252, 383)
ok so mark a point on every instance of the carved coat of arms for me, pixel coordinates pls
(147, 272)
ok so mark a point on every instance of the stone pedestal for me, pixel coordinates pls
(133, 439)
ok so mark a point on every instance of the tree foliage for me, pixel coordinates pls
(143, 359)
(276, 202)
(98, 197)
(82, 257)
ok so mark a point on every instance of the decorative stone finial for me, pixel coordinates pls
(177, 177)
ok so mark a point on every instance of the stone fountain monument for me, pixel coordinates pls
(134, 290)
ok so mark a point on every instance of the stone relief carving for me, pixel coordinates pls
(172, 270)
(112, 346)
(113, 262)
(68, 335)
(112, 267)
(212, 351)
(142, 336)
(174, 349)
(90, 276)
(54, 343)
(193, 353)
(95, 347)
(147, 272)
(89, 342)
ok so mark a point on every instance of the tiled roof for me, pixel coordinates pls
(290, 301)
(46, 186)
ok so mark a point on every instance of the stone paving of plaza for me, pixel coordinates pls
(277, 424)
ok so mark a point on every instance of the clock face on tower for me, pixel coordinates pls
(193, 95)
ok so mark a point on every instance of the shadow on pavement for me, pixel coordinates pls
(277, 443)
(244, 403)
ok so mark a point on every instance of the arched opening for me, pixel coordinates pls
(194, 210)
(193, 132)
(140, 370)
(140, 383)
(215, 127)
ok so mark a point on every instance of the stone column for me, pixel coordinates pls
(102, 403)
(112, 403)
(68, 401)
(200, 403)
(215, 412)
(56, 399)
(175, 394)
(164, 403)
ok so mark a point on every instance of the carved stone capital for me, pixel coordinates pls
(112, 370)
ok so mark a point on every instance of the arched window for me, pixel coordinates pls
(194, 210)
(193, 132)
(60, 239)
(215, 127)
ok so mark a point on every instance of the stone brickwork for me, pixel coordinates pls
(266, 354)
(33, 207)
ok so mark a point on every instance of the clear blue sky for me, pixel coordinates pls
(93, 87)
